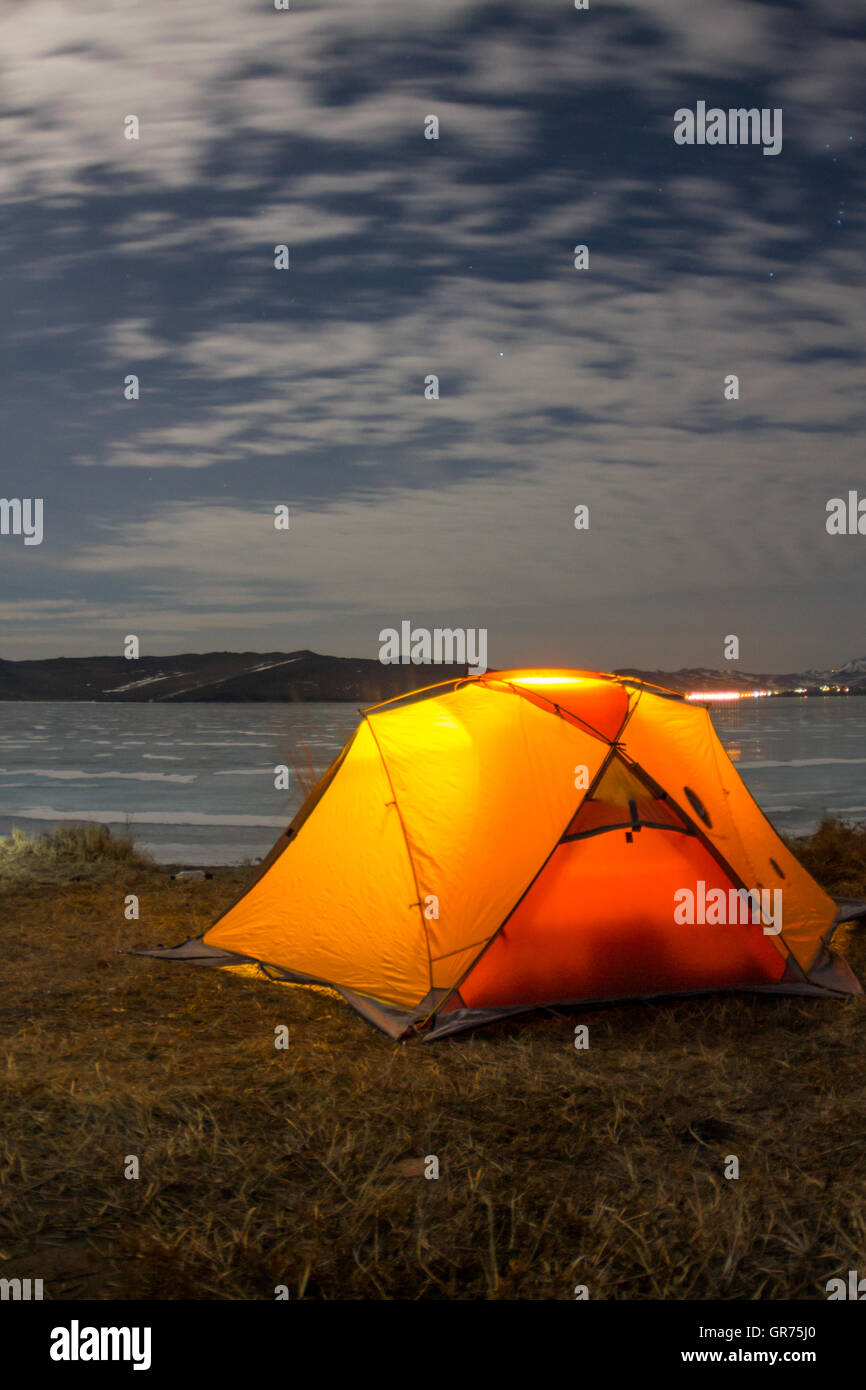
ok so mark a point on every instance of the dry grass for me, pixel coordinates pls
(836, 856)
(302, 1167)
(306, 768)
(65, 851)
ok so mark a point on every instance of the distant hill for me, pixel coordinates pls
(306, 675)
(226, 676)
(700, 678)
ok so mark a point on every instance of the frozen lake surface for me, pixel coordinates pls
(195, 783)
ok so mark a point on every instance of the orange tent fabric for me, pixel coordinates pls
(526, 838)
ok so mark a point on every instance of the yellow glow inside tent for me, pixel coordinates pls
(548, 680)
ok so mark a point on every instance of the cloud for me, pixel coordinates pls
(567, 361)
(412, 258)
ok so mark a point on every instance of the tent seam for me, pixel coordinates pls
(779, 939)
(718, 855)
(409, 855)
(613, 746)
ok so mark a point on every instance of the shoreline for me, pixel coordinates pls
(834, 852)
(48, 826)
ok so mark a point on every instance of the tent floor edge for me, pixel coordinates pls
(399, 1023)
(831, 973)
(194, 952)
(831, 977)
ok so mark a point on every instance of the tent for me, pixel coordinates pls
(496, 843)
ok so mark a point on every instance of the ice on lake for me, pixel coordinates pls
(195, 783)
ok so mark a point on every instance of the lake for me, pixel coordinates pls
(195, 783)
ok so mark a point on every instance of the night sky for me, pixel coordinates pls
(411, 257)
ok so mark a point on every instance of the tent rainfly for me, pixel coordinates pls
(496, 843)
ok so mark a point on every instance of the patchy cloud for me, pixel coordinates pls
(410, 258)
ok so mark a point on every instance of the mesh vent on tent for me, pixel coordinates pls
(621, 801)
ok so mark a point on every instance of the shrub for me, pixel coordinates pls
(65, 847)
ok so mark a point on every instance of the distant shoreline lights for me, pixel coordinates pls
(710, 695)
(728, 694)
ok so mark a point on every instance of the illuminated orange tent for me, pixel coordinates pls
(526, 838)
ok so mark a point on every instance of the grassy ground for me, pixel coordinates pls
(304, 1167)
